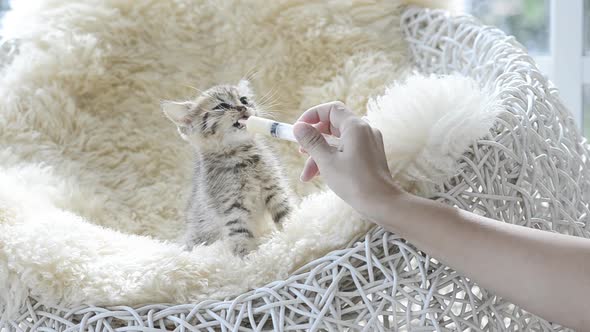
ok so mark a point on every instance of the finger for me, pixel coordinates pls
(378, 135)
(334, 113)
(379, 140)
(312, 141)
(356, 132)
(310, 170)
(323, 127)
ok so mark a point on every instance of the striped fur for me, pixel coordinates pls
(236, 176)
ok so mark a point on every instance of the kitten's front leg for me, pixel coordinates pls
(201, 230)
(243, 242)
(237, 229)
(278, 201)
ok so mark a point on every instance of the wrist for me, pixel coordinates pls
(380, 205)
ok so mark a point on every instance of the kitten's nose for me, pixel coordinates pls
(241, 109)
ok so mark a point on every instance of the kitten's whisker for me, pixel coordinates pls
(194, 88)
(204, 92)
(199, 90)
(270, 94)
(269, 107)
(267, 99)
(270, 100)
(266, 114)
(270, 103)
(273, 102)
(251, 74)
(271, 90)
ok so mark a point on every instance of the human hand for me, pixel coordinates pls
(356, 171)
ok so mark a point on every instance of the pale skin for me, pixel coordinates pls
(544, 273)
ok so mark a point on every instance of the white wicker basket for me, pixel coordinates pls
(532, 170)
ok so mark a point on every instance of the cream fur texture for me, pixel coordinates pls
(440, 116)
(93, 178)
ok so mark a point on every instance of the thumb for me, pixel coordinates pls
(311, 140)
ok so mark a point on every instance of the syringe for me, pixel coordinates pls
(277, 129)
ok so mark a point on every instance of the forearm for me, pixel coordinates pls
(547, 274)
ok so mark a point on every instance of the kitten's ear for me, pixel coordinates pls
(245, 87)
(177, 112)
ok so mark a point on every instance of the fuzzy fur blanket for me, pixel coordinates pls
(94, 180)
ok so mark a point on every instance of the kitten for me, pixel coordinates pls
(236, 176)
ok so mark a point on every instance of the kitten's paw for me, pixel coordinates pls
(242, 248)
(279, 226)
(280, 217)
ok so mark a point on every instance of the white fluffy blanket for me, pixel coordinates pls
(93, 179)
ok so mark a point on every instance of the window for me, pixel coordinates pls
(586, 70)
(557, 35)
(4, 6)
(528, 20)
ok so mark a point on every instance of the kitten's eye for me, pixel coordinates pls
(244, 100)
(222, 106)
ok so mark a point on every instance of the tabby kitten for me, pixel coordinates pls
(236, 176)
